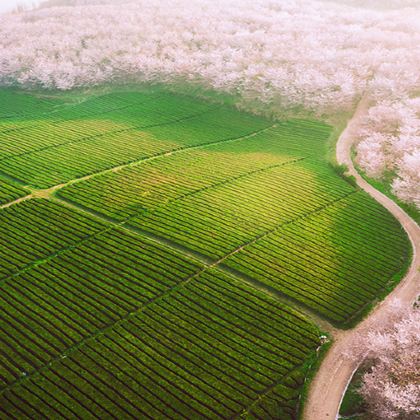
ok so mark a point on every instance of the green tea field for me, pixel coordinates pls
(169, 257)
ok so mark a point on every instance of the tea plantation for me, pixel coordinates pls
(168, 257)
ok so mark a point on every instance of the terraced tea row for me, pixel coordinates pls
(194, 362)
(45, 135)
(21, 112)
(36, 229)
(10, 192)
(218, 220)
(14, 104)
(114, 316)
(334, 261)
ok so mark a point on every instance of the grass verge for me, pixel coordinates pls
(312, 365)
(353, 406)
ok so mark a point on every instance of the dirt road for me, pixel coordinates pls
(331, 380)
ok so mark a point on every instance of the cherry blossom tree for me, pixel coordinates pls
(391, 387)
(390, 143)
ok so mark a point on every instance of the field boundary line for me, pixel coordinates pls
(291, 221)
(58, 120)
(46, 192)
(49, 257)
(225, 181)
(279, 296)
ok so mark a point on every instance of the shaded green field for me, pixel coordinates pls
(172, 253)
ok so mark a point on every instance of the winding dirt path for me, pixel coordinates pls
(330, 383)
